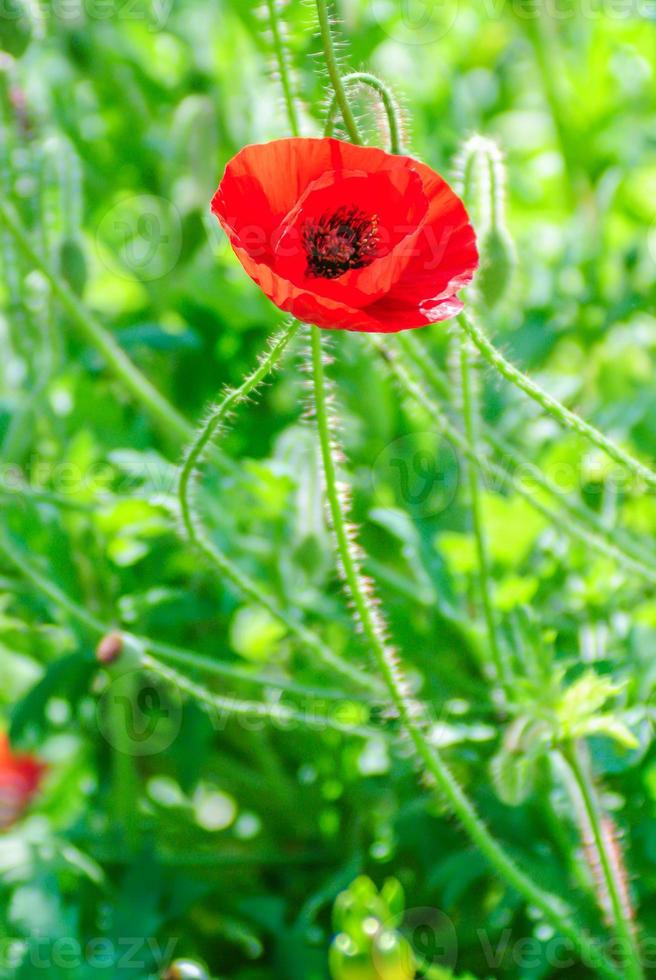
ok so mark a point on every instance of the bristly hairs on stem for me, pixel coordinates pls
(564, 416)
(192, 526)
(359, 588)
(334, 71)
(386, 99)
(605, 857)
(613, 847)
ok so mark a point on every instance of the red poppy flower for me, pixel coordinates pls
(347, 237)
(20, 778)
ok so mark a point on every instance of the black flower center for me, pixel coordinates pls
(335, 243)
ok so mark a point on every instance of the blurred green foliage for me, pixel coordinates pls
(229, 842)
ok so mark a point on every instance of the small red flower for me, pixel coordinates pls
(347, 237)
(20, 778)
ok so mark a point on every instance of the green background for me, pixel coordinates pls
(230, 839)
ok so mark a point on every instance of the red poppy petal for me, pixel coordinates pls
(447, 256)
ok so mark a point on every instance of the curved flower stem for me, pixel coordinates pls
(386, 97)
(498, 475)
(165, 651)
(410, 712)
(558, 411)
(195, 534)
(167, 417)
(283, 67)
(621, 914)
(335, 74)
(614, 543)
(469, 418)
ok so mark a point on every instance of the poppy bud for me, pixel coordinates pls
(20, 778)
(16, 27)
(497, 263)
(186, 970)
(109, 649)
(483, 180)
(73, 265)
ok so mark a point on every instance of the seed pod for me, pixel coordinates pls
(109, 649)
(16, 27)
(496, 268)
(73, 264)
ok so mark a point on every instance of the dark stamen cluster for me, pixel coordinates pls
(337, 242)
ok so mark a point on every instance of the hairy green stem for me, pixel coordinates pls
(621, 915)
(500, 476)
(563, 415)
(387, 100)
(283, 67)
(196, 535)
(478, 524)
(334, 72)
(614, 543)
(167, 417)
(411, 712)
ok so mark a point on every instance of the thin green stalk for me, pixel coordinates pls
(564, 416)
(125, 781)
(541, 32)
(411, 712)
(165, 651)
(196, 535)
(478, 524)
(279, 714)
(283, 67)
(167, 417)
(386, 97)
(621, 915)
(335, 74)
(497, 474)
